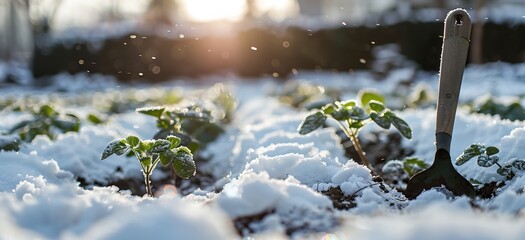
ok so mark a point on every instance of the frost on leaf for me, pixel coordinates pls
(472, 151)
(311, 123)
(114, 147)
(487, 161)
(183, 165)
(392, 167)
(519, 164)
(505, 171)
(160, 145)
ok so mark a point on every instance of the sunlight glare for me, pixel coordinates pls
(213, 10)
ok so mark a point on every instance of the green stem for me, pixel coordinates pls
(147, 180)
(355, 142)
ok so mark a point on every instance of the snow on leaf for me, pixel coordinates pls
(160, 145)
(392, 167)
(311, 122)
(519, 164)
(506, 171)
(487, 161)
(114, 147)
(472, 151)
(174, 140)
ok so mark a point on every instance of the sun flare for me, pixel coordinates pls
(213, 10)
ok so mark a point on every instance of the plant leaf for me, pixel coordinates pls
(160, 145)
(470, 152)
(376, 106)
(311, 123)
(114, 147)
(487, 161)
(341, 114)
(367, 95)
(183, 164)
(402, 126)
(133, 141)
(92, 118)
(174, 140)
(358, 113)
(381, 121)
(166, 157)
(48, 111)
(506, 171)
(490, 150)
(146, 161)
(66, 126)
(152, 111)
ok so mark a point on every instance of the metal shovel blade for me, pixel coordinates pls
(441, 173)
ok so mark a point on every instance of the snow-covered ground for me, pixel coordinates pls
(269, 177)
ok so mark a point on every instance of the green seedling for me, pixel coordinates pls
(410, 166)
(150, 152)
(306, 95)
(513, 111)
(353, 115)
(487, 157)
(46, 121)
(193, 124)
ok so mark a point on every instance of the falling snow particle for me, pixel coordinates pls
(275, 75)
(286, 44)
(81, 61)
(132, 36)
(141, 74)
(344, 24)
(181, 35)
(373, 43)
(362, 60)
(153, 58)
(254, 48)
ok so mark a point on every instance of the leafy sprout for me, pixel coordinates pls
(353, 115)
(46, 121)
(150, 152)
(487, 156)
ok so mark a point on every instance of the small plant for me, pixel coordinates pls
(193, 124)
(410, 166)
(46, 121)
(486, 157)
(513, 111)
(352, 116)
(306, 95)
(150, 152)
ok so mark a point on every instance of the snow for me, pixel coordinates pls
(268, 177)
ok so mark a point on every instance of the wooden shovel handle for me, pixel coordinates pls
(453, 57)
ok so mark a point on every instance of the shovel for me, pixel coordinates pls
(453, 58)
